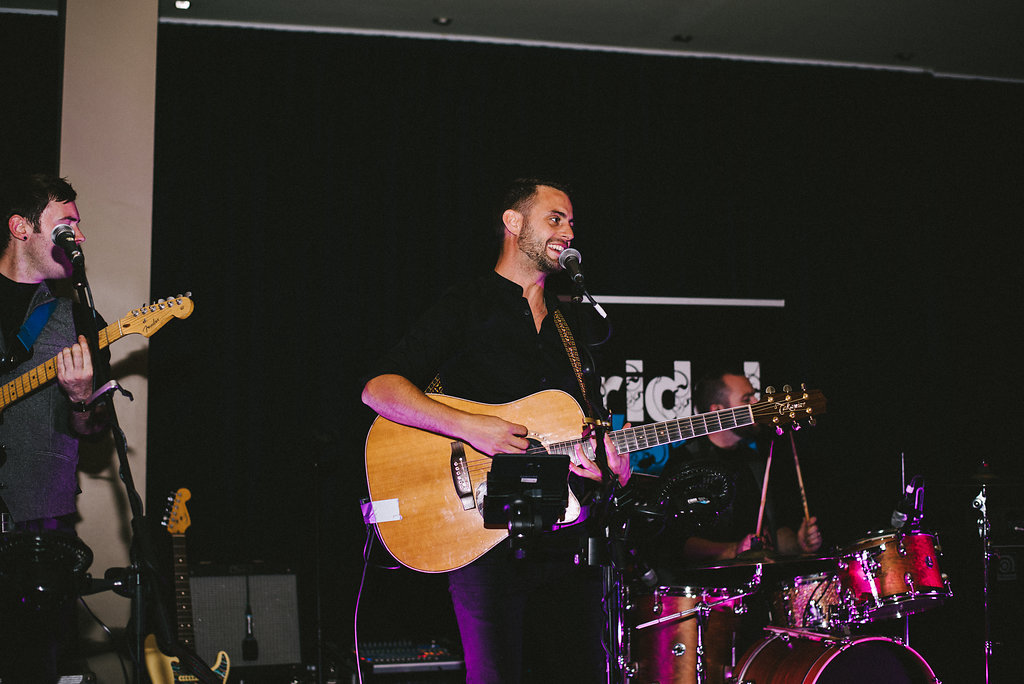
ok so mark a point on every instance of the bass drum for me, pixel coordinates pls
(785, 658)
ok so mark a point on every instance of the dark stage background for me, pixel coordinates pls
(315, 192)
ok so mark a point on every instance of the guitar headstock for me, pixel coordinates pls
(149, 318)
(176, 518)
(779, 409)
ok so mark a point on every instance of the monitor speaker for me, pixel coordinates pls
(219, 615)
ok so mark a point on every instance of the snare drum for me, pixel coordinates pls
(809, 602)
(807, 658)
(893, 575)
(667, 652)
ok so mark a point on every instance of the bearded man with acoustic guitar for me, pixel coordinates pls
(496, 340)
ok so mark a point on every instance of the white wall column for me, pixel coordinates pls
(107, 154)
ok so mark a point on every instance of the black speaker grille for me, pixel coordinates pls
(218, 608)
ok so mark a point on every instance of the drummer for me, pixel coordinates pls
(736, 452)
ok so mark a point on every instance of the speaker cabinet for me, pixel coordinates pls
(219, 615)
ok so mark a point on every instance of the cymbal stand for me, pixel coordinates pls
(984, 529)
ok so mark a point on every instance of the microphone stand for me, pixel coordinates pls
(141, 555)
(608, 554)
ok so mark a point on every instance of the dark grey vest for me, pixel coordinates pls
(38, 478)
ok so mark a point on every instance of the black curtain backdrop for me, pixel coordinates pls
(30, 76)
(315, 192)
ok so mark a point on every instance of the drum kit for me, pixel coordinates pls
(821, 612)
(817, 607)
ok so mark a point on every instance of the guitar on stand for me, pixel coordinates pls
(164, 669)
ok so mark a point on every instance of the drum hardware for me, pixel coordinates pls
(750, 589)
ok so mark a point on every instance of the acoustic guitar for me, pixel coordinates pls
(425, 488)
(164, 669)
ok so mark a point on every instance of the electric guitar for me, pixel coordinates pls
(426, 490)
(144, 321)
(164, 669)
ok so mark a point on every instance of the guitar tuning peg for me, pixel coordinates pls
(787, 389)
(812, 421)
(779, 431)
(769, 390)
(803, 386)
(796, 426)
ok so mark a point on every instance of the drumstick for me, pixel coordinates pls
(799, 477)
(764, 489)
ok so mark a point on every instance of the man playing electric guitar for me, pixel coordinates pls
(498, 339)
(39, 436)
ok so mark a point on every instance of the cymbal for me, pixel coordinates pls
(767, 557)
(984, 475)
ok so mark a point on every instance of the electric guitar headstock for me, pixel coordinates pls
(780, 409)
(149, 318)
(176, 518)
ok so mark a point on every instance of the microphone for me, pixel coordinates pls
(64, 237)
(250, 647)
(570, 260)
(906, 509)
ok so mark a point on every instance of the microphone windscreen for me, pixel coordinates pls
(567, 254)
(62, 231)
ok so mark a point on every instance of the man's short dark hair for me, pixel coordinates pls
(520, 193)
(711, 388)
(27, 195)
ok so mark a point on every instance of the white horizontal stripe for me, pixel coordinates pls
(539, 43)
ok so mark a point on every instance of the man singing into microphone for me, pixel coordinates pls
(497, 340)
(39, 433)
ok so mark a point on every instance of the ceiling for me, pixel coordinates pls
(947, 38)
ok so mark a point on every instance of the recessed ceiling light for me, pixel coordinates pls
(442, 21)
(182, 4)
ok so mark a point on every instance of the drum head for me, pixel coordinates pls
(876, 660)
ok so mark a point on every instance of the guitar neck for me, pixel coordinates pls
(182, 593)
(656, 434)
(47, 371)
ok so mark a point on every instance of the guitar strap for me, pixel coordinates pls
(28, 334)
(34, 325)
(574, 356)
(435, 386)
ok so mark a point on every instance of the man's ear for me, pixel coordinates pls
(513, 221)
(19, 227)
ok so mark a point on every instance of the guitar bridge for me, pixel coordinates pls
(460, 477)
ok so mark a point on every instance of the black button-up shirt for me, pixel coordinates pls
(482, 341)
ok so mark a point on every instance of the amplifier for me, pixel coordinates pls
(219, 615)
